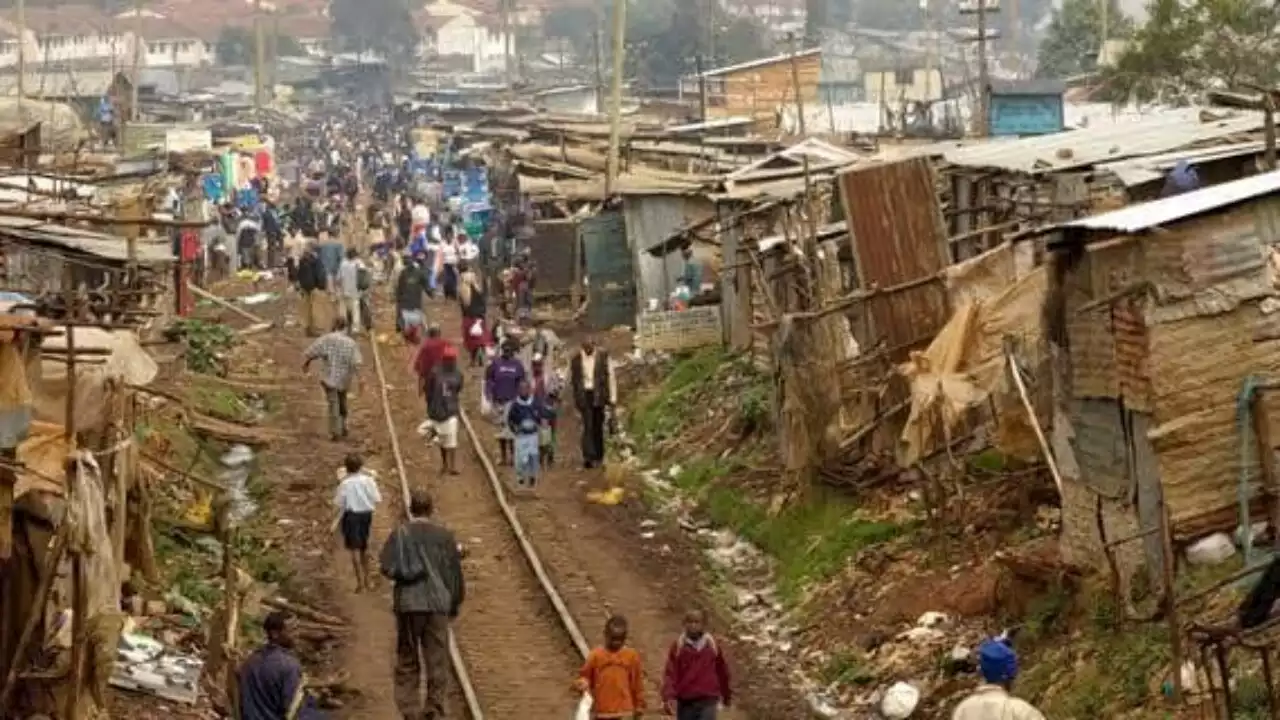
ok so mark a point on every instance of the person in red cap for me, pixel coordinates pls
(428, 356)
(444, 393)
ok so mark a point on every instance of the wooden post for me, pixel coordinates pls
(47, 574)
(259, 48)
(1266, 455)
(1171, 603)
(79, 594)
(22, 53)
(1269, 129)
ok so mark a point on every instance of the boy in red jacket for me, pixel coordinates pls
(696, 682)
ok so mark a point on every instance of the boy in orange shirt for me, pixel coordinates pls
(614, 676)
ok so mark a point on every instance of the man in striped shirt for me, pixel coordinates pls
(340, 355)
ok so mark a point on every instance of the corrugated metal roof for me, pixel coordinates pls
(761, 62)
(1095, 145)
(108, 247)
(1153, 168)
(1145, 216)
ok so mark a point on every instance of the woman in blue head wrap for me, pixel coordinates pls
(998, 665)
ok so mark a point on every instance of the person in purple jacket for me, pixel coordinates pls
(501, 386)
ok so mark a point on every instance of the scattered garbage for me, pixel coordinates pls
(258, 298)
(1212, 550)
(899, 701)
(612, 496)
(144, 664)
(236, 466)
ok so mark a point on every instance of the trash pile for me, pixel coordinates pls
(144, 664)
(759, 616)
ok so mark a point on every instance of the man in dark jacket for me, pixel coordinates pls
(270, 683)
(423, 560)
(595, 389)
(311, 284)
(409, 291)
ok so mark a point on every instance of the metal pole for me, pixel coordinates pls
(597, 38)
(136, 72)
(22, 52)
(615, 109)
(702, 89)
(259, 50)
(506, 42)
(984, 81)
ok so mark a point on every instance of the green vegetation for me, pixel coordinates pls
(1107, 667)
(206, 344)
(847, 668)
(703, 381)
(810, 540)
(190, 561)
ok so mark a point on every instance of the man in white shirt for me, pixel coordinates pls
(468, 250)
(998, 664)
(357, 497)
(349, 289)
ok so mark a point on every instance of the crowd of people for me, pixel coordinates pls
(418, 245)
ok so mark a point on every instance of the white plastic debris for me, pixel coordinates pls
(932, 619)
(899, 701)
(1257, 531)
(236, 466)
(1212, 550)
(584, 708)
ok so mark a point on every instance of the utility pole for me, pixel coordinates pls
(22, 53)
(615, 107)
(702, 89)
(506, 41)
(981, 8)
(135, 76)
(1105, 31)
(259, 51)
(597, 38)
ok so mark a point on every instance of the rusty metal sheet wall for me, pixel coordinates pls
(1132, 348)
(897, 236)
(552, 249)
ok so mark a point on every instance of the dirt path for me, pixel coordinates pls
(308, 473)
(519, 659)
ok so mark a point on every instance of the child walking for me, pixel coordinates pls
(696, 685)
(546, 388)
(525, 417)
(357, 498)
(614, 676)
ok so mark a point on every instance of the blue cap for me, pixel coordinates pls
(997, 662)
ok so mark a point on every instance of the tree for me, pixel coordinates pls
(1187, 48)
(385, 27)
(1074, 38)
(236, 46)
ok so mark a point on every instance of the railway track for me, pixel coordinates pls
(521, 644)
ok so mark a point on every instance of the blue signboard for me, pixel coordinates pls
(452, 183)
(1025, 114)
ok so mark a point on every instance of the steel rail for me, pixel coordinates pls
(567, 621)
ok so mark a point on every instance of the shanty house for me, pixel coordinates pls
(1164, 315)
(762, 89)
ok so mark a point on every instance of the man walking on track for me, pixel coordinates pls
(311, 284)
(341, 357)
(357, 498)
(594, 390)
(444, 390)
(423, 560)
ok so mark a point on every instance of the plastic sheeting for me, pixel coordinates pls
(61, 130)
(965, 363)
(128, 363)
